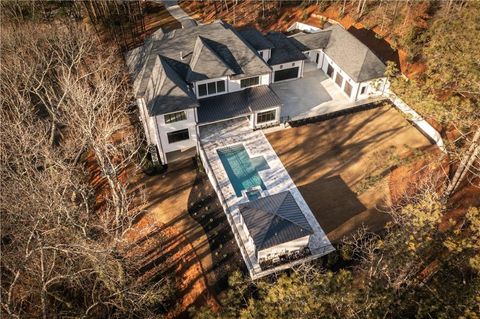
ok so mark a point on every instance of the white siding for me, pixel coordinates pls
(163, 128)
(327, 60)
(281, 249)
(371, 89)
(266, 54)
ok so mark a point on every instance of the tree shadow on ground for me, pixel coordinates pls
(204, 206)
(332, 202)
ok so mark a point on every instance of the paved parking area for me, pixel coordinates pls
(312, 95)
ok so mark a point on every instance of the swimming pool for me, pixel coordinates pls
(242, 170)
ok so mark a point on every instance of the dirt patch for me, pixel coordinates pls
(184, 227)
(330, 160)
(161, 252)
(406, 180)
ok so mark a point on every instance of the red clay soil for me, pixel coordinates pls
(406, 180)
(376, 37)
(159, 251)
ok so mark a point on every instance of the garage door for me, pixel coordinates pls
(286, 74)
(348, 88)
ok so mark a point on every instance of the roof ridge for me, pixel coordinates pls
(287, 193)
(209, 48)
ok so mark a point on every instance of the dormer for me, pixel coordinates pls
(258, 41)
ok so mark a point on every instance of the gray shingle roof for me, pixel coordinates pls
(221, 51)
(236, 104)
(256, 39)
(311, 41)
(353, 57)
(206, 63)
(284, 50)
(274, 220)
(166, 91)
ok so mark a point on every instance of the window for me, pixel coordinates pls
(211, 88)
(202, 90)
(220, 86)
(339, 80)
(178, 136)
(175, 117)
(267, 116)
(261, 54)
(249, 82)
(363, 90)
(330, 71)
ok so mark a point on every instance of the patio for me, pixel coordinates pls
(314, 94)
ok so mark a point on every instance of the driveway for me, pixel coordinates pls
(314, 94)
(178, 13)
(341, 166)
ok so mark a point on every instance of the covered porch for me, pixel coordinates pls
(260, 105)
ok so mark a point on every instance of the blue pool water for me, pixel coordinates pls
(242, 170)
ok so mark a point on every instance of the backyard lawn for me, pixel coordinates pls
(341, 166)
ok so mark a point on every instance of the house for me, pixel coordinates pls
(351, 64)
(275, 225)
(207, 74)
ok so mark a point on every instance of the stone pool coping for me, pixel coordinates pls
(276, 179)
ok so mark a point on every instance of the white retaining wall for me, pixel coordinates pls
(419, 122)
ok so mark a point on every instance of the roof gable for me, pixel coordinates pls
(284, 50)
(206, 62)
(166, 91)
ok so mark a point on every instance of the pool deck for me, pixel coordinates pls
(276, 180)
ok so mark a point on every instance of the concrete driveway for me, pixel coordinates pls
(178, 13)
(314, 94)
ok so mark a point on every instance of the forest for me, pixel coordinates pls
(71, 144)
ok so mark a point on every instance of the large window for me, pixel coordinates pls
(175, 117)
(267, 116)
(330, 71)
(249, 82)
(211, 88)
(178, 136)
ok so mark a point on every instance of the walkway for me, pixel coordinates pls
(276, 180)
(177, 12)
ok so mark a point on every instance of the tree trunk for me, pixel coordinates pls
(465, 164)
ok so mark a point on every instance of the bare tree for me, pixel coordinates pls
(60, 254)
